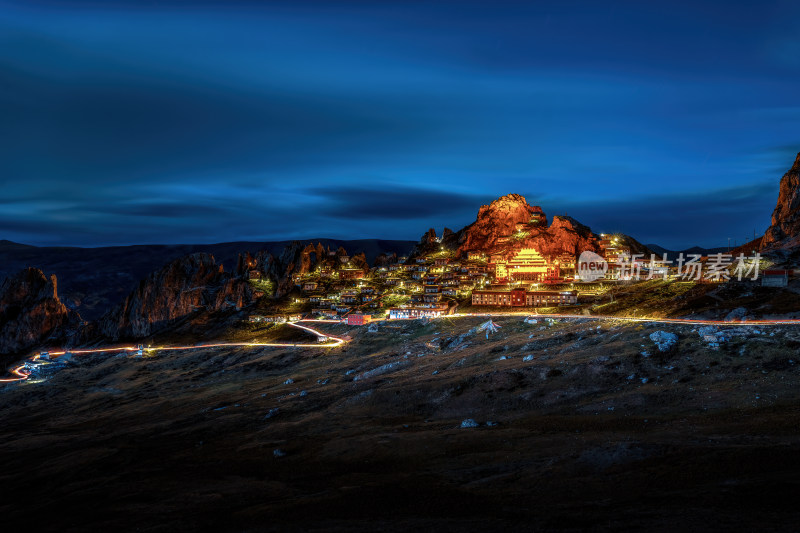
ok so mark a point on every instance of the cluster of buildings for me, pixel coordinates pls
(429, 286)
(523, 297)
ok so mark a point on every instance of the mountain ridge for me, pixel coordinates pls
(93, 280)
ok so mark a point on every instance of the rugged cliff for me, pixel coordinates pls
(31, 313)
(565, 235)
(184, 286)
(509, 224)
(499, 219)
(785, 229)
(297, 258)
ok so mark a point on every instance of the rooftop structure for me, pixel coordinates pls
(528, 265)
(520, 297)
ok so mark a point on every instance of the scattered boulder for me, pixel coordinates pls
(712, 336)
(707, 330)
(664, 340)
(737, 315)
(469, 423)
(383, 369)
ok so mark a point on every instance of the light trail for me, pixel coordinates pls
(22, 375)
(659, 320)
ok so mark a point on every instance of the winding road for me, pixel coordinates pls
(20, 373)
(656, 320)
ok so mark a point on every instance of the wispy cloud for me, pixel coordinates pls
(141, 122)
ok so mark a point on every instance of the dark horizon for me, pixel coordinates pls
(205, 122)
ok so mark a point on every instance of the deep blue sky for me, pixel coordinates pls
(169, 121)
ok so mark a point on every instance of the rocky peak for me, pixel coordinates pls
(181, 288)
(501, 218)
(429, 237)
(509, 207)
(31, 313)
(385, 259)
(784, 232)
(359, 260)
(565, 235)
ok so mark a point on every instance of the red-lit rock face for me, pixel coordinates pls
(785, 228)
(510, 223)
(564, 235)
(30, 311)
(186, 285)
(498, 219)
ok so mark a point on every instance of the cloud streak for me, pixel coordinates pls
(205, 121)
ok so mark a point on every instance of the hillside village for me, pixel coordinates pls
(509, 258)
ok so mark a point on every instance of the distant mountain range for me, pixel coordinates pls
(92, 280)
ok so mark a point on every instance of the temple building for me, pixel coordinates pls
(519, 297)
(527, 265)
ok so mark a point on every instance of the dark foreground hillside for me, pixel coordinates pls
(578, 428)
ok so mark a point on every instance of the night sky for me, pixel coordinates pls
(199, 122)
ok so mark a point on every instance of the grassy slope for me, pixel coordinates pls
(178, 442)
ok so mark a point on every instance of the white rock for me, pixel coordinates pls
(664, 340)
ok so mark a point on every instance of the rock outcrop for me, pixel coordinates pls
(295, 259)
(565, 235)
(784, 232)
(184, 286)
(384, 260)
(500, 219)
(31, 313)
(509, 224)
